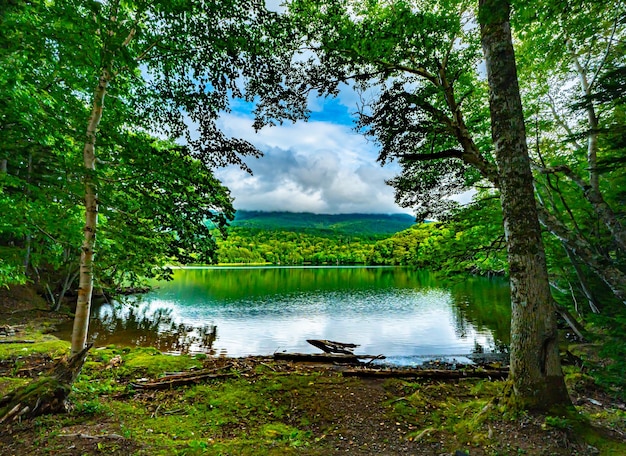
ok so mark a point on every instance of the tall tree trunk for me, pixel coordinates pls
(85, 283)
(536, 373)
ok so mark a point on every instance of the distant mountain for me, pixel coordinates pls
(331, 224)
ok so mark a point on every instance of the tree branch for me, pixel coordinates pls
(448, 153)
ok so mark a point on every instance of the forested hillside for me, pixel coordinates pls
(371, 225)
(306, 238)
(375, 239)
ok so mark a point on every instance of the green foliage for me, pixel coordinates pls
(609, 373)
(156, 203)
(472, 241)
(89, 408)
(419, 58)
(166, 65)
(245, 245)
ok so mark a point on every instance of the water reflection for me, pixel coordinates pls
(134, 322)
(397, 312)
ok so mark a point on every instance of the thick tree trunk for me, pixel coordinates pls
(535, 365)
(85, 284)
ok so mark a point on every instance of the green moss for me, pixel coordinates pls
(8, 384)
(461, 409)
(49, 346)
(265, 411)
(595, 437)
(151, 362)
(283, 432)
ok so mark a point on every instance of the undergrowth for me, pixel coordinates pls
(261, 410)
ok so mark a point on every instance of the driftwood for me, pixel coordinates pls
(181, 379)
(439, 374)
(330, 346)
(325, 357)
(46, 395)
(92, 437)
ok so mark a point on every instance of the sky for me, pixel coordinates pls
(322, 166)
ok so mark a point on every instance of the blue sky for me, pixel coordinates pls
(321, 166)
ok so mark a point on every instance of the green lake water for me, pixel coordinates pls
(402, 313)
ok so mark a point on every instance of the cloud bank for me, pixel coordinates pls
(319, 166)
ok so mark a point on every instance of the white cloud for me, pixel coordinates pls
(314, 166)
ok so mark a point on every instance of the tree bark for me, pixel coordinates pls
(535, 370)
(85, 284)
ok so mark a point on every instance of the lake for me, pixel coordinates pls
(402, 313)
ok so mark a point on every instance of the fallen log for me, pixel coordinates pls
(330, 346)
(181, 379)
(325, 357)
(17, 341)
(92, 437)
(46, 395)
(438, 374)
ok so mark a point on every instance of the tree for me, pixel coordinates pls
(192, 54)
(164, 68)
(429, 114)
(38, 213)
(564, 59)
(535, 364)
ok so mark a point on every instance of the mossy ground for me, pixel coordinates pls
(276, 408)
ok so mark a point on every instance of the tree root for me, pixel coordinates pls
(45, 395)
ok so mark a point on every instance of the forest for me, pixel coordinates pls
(109, 130)
(447, 247)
